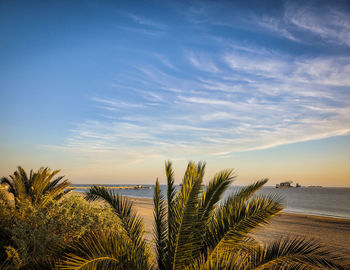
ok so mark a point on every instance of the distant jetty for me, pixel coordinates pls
(115, 187)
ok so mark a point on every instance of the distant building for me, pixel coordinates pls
(287, 184)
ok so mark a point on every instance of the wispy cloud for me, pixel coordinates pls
(306, 22)
(267, 65)
(274, 100)
(142, 26)
(206, 101)
(278, 26)
(146, 22)
(230, 96)
(112, 104)
(164, 60)
(331, 24)
(147, 32)
(202, 62)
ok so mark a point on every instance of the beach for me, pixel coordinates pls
(333, 232)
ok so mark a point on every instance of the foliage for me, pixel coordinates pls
(131, 223)
(195, 229)
(101, 250)
(127, 250)
(38, 232)
(198, 227)
(13, 259)
(38, 188)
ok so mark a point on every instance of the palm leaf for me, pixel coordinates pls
(232, 211)
(131, 222)
(227, 260)
(96, 251)
(248, 191)
(193, 172)
(213, 193)
(188, 240)
(23, 175)
(160, 227)
(171, 193)
(50, 185)
(74, 262)
(237, 218)
(296, 253)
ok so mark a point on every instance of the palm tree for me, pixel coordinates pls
(195, 229)
(38, 188)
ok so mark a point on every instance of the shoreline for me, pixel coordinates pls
(135, 198)
(148, 201)
(331, 231)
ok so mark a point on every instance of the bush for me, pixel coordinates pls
(40, 232)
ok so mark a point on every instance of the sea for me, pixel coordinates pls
(320, 201)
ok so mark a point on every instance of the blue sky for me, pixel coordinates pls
(108, 90)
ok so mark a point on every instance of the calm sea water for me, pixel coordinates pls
(334, 202)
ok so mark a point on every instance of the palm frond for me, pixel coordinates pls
(19, 189)
(213, 193)
(296, 253)
(23, 175)
(193, 172)
(160, 227)
(247, 192)
(187, 239)
(233, 210)
(66, 191)
(200, 168)
(237, 218)
(176, 206)
(130, 221)
(172, 223)
(97, 251)
(74, 262)
(52, 184)
(59, 190)
(226, 259)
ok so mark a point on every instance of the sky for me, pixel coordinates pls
(109, 90)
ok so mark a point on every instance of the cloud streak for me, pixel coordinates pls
(226, 96)
(311, 23)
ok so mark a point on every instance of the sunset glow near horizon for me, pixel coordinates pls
(109, 90)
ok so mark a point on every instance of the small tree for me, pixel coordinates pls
(38, 188)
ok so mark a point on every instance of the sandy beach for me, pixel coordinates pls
(334, 232)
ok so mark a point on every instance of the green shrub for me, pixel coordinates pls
(36, 233)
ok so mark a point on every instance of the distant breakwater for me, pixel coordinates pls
(116, 187)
